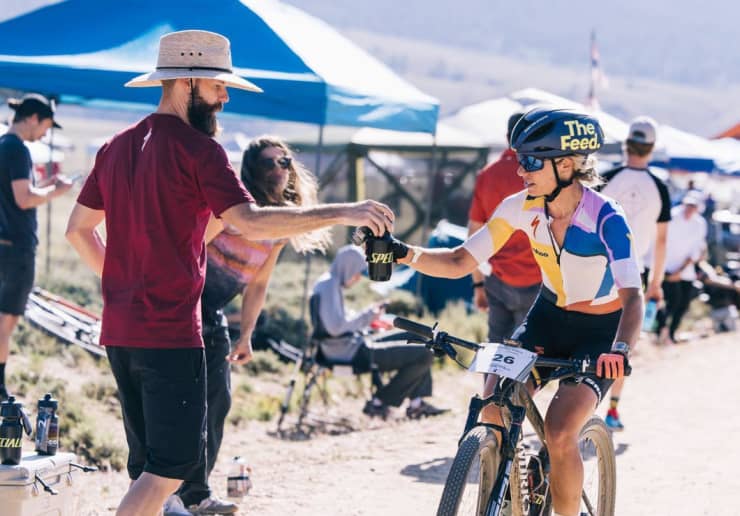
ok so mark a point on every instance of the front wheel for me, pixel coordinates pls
(599, 469)
(471, 477)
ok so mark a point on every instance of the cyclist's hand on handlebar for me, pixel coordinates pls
(611, 365)
(242, 352)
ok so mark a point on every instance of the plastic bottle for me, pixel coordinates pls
(53, 441)
(380, 257)
(13, 424)
(46, 443)
(651, 310)
(238, 482)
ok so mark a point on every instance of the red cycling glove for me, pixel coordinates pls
(611, 365)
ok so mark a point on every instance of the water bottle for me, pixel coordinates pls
(651, 310)
(53, 442)
(47, 426)
(14, 422)
(379, 257)
(238, 482)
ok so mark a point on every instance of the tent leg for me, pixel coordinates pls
(49, 172)
(428, 214)
(307, 273)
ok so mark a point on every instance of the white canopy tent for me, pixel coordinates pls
(488, 119)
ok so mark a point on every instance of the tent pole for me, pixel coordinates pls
(428, 215)
(49, 171)
(307, 273)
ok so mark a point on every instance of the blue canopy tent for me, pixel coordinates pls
(308, 71)
(85, 50)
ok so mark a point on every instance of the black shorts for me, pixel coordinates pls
(163, 400)
(17, 269)
(556, 333)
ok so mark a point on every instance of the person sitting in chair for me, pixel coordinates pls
(341, 342)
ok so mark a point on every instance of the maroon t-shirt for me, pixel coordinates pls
(158, 182)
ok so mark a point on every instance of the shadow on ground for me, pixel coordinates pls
(433, 471)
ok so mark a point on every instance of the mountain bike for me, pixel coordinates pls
(488, 477)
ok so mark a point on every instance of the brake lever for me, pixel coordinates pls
(450, 351)
(441, 346)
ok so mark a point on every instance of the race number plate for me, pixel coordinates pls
(508, 361)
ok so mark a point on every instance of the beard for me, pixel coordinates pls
(202, 115)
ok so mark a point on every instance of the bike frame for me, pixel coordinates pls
(441, 343)
(502, 396)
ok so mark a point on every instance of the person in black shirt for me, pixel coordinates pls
(19, 197)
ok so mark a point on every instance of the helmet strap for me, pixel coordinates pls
(560, 183)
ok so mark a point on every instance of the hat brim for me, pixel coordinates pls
(155, 78)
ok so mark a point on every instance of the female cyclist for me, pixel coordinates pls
(591, 298)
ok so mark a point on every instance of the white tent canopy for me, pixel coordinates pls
(488, 119)
(446, 136)
(727, 154)
(672, 143)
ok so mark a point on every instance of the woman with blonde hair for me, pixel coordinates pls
(236, 265)
(590, 303)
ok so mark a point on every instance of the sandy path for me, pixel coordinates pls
(675, 456)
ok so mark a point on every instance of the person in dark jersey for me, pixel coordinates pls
(20, 195)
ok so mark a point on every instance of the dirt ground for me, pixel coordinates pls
(675, 457)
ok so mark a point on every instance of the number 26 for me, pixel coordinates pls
(498, 357)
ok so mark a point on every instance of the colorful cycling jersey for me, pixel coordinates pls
(596, 259)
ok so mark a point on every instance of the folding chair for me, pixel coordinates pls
(315, 368)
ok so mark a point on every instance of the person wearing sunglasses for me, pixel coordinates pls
(237, 265)
(590, 303)
(514, 281)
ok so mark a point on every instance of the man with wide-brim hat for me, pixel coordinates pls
(161, 186)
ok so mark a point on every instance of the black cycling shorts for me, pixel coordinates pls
(163, 400)
(556, 333)
(17, 269)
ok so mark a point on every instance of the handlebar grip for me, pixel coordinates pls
(413, 327)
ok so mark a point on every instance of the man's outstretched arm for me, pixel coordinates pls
(260, 223)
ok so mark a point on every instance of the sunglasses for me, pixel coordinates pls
(530, 163)
(283, 162)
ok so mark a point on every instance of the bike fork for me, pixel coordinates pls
(496, 501)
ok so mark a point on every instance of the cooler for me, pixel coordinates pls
(22, 492)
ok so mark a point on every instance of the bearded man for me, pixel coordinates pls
(158, 186)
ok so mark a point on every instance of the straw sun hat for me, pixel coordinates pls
(196, 54)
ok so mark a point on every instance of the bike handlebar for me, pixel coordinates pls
(440, 340)
(410, 326)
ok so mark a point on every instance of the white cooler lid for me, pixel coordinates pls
(33, 464)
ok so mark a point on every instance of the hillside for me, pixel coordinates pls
(681, 42)
(661, 58)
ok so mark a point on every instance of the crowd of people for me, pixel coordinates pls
(566, 248)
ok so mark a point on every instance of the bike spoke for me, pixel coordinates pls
(587, 503)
